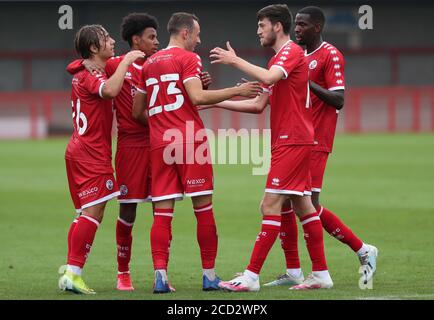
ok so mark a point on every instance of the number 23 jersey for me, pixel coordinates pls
(171, 113)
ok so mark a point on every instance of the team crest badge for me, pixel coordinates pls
(124, 190)
(109, 184)
(313, 64)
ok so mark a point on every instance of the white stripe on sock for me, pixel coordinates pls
(91, 219)
(128, 224)
(164, 214)
(310, 220)
(271, 222)
(203, 209)
(286, 212)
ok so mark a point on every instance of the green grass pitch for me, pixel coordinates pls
(380, 185)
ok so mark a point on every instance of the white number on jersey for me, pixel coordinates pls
(79, 116)
(171, 90)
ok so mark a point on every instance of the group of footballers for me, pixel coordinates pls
(153, 92)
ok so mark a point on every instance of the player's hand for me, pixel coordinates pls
(206, 79)
(243, 80)
(219, 55)
(92, 67)
(132, 56)
(250, 89)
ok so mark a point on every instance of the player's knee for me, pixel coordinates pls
(315, 200)
(127, 212)
(201, 201)
(287, 204)
(269, 208)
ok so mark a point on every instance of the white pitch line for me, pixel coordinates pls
(430, 295)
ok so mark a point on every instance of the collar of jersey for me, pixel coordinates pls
(320, 46)
(283, 46)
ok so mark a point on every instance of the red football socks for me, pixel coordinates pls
(81, 240)
(264, 241)
(124, 240)
(313, 236)
(334, 226)
(206, 235)
(161, 237)
(289, 238)
(70, 232)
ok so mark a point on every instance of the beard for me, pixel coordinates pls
(269, 41)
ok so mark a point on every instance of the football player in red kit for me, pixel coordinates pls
(169, 91)
(327, 85)
(292, 138)
(132, 152)
(88, 154)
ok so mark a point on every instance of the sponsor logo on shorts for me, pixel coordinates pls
(109, 184)
(194, 182)
(88, 192)
(275, 181)
(124, 190)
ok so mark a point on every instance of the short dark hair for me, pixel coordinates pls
(277, 13)
(180, 20)
(315, 13)
(135, 23)
(87, 36)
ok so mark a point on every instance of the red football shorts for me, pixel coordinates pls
(318, 162)
(133, 174)
(181, 170)
(289, 170)
(90, 184)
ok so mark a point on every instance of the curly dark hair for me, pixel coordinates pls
(135, 23)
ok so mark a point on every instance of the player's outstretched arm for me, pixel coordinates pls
(113, 85)
(255, 105)
(334, 98)
(139, 108)
(229, 57)
(198, 96)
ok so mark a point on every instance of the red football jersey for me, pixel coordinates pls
(130, 131)
(326, 68)
(291, 115)
(92, 119)
(169, 106)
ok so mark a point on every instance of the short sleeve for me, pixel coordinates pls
(112, 65)
(334, 70)
(192, 67)
(287, 60)
(95, 82)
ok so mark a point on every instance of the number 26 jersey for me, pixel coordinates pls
(92, 120)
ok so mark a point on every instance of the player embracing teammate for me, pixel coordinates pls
(326, 88)
(169, 91)
(286, 89)
(89, 154)
(327, 85)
